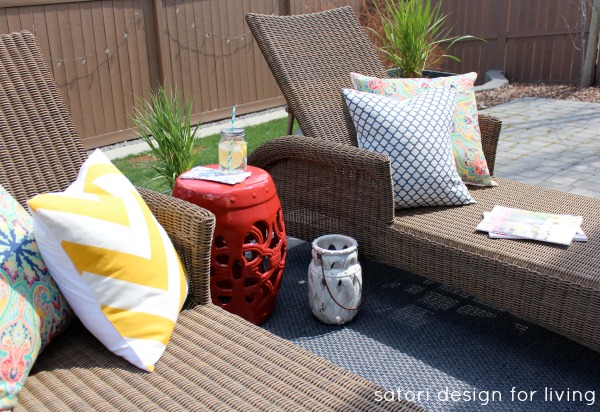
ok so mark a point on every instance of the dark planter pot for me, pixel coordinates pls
(430, 74)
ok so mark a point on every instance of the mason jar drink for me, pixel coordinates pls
(233, 151)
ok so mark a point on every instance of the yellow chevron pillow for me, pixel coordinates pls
(112, 260)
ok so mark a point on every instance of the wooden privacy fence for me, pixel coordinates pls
(106, 55)
(530, 40)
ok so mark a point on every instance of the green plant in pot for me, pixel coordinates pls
(165, 126)
(412, 35)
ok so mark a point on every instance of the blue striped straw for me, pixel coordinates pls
(232, 117)
(231, 141)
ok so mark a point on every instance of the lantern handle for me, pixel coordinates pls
(329, 290)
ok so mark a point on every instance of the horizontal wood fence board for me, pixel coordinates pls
(107, 55)
(22, 3)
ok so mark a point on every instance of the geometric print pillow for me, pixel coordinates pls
(32, 309)
(113, 261)
(466, 135)
(415, 134)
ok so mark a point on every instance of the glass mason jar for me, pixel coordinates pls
(233, 151)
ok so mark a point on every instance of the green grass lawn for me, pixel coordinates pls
(138, 168)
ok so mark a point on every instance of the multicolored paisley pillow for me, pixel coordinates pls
(466, 136)
(32, 309)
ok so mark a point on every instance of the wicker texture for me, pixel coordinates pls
(190, 228)
(552, 285)
(32, 119)
(215, 360)
(307, 72)
(311, 57)
(490, 133)
(328, 188)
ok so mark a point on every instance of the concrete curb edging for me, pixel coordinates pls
(138, 146)
(494, 79)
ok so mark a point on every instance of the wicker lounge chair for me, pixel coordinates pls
(328, 185)
(215, 360)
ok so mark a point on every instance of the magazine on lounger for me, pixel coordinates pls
(504, 222)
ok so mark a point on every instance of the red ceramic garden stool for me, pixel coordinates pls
(249, 245)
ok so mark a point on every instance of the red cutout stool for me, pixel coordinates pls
(249, 245)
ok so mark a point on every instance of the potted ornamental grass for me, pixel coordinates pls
(164, 124)
(412, 36)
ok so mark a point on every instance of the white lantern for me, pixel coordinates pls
(334, 279)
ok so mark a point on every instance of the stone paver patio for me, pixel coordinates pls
(550, 143)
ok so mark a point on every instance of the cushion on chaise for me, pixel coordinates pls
(32, 308)
(466, 134)
(114, 262)
(415, 134)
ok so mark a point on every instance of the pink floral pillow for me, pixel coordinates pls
(32, 309)
(466, 136)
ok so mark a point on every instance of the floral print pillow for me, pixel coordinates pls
(466, 136)
(32, 309)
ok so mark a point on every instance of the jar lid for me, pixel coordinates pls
(232, 132)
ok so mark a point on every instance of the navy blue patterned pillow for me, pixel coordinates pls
(415, 134)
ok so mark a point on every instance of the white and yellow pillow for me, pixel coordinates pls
(112, 260)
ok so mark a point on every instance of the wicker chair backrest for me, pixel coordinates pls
(311, 57)
(40, 150)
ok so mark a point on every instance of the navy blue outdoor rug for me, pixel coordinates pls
(444, 350)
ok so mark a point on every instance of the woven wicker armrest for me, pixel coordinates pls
(190, 228)
(490, 132)
(330, 178)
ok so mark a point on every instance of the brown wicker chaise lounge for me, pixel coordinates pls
(215, 361)
(328, 185)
